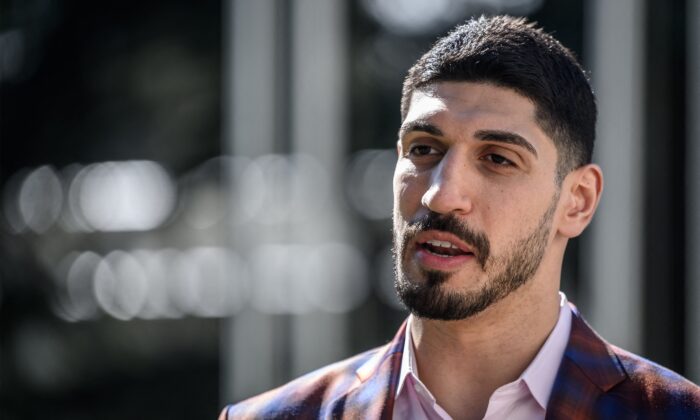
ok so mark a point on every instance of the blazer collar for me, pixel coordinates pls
(373, 395)
(588, 370)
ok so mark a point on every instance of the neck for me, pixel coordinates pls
(500, 343)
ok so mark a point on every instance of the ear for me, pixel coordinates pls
(581, 191)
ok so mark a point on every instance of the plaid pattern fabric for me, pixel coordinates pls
(595, 381)
(362, 387)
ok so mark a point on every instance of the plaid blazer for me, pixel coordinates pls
(596, 380)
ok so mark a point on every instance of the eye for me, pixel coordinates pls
(498, 160)
(422, 150)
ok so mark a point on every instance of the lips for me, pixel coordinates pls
(437, 250)
(442, 243)
(442, 248)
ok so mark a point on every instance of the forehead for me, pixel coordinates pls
(466, 101)
(462, 110)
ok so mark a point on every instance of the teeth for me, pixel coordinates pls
(443, 244)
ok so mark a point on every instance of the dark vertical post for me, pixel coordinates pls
(664, 181)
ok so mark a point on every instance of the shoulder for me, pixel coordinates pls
(305, 397)
(599, 380)
(662, 389)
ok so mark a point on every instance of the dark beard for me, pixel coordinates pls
(428, 299)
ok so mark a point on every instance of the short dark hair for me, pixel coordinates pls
(513, 53)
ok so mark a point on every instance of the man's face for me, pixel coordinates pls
(474, 198)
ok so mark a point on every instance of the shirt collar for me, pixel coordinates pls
(538, 376)
(408, 359)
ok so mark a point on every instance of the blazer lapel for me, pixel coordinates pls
(587, 372)
(583, 387)
(374, 394)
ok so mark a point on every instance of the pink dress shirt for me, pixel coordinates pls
(524, 398)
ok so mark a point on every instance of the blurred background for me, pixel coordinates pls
(195, 198)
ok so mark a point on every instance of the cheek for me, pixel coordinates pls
(513, 214)
(408, 189)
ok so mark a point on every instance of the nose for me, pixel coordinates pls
(451, 186)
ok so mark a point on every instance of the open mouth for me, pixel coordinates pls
(443, 249)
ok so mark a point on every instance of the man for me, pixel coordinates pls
(493, 177)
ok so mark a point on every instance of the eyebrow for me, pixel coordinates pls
(484, 135)
(419, 125)
(506, 137)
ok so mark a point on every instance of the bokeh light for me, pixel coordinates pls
(124, 196)
(158, 265)
(330, 277)
(410, 16)
(216, 282)
(414, 17)
(121, 285)
(370, 183)
(10, 200)
(335, 277)
(286, 189)
(40, 199)
(12, 51)
(77, 299)
(205, 196)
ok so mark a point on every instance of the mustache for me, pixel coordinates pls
(449, 223)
